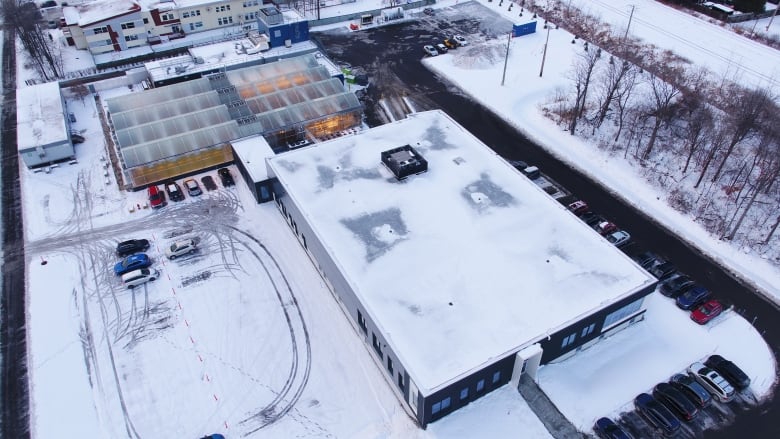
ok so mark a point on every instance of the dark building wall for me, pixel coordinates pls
(330, 272)
(589, 328)
(473, 386)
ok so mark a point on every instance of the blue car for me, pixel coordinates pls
(656, 414)
(607, 429)
(693, 297)
(132, 262)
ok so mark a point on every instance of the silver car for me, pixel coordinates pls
(138, 277)
(430, 50)
(180, 248)
(712, 381)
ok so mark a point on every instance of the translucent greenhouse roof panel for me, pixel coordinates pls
(171, 127)
(183, 143)
(282, 82)
(164, 110)
(307, 111)
(158, 95)
(281, 67)
(292, 96)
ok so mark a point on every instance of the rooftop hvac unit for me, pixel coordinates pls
(404, 161)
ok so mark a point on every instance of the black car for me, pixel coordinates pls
(607, 429)
(656, 414)
(676, 285)
(729, 370)
(695, 392)
(676, 401)
(174, 191)
(646, 259)
(131, 246)
(208, 183)
(591, 218)
(662, 270)
(226, 177)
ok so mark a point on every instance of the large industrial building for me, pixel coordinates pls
(457, 271)
(183, 128)
(43, 130)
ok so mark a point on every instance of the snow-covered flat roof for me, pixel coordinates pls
(88, 13)
(252, 151)
(40, 116)
(459, 265)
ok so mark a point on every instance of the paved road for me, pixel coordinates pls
(391, 57)
(13, 338)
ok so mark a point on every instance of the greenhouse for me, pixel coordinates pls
(186, 127)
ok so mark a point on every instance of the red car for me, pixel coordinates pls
(579, 207)
(706, 311)
(156, 197)
(605, 228)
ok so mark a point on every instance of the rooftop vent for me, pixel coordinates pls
(404, 161)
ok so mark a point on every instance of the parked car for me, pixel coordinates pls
(662, 270)
(450, 43)
(132, 262)
(695, 391)
(706, 311)
(180, 248)
(676, 285)
(131, 246)
(192, 187)
(138, 277)
(441, 48)
(213, 436)
(605, 428)
(461, 41)
(711, 380)
(729, 370)
(226, 177)
(174, 191)
(72, 117)
(156, 197)
(645, 259)
(578, 207)
(77, 138)
(591, 218)
(693, 297)
(619, 238)
(532, 172)
(605, 228)
(656, 414)
(208, 183)
(428, 11)
(676, 401)
(430, 50)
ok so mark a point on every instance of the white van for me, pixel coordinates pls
(138, 277)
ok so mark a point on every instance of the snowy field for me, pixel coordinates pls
(244, 339)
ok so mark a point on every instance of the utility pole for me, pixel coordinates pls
(773, 17)
(630, 17)
(506, 59)
(544, 54)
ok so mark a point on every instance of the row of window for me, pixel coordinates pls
(167, 16)
(250, 16)
(196, 25)
(128, 25)
(250, 3)
(131, 37)
(222, 8)
(611, 318)
(464, 394)
(188, 14)
(225, 20)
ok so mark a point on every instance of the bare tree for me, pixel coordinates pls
(584, 65)
(623, 97)
(697, 123)
(715, 144)
(744, 111)
(611, 82)
(25, 17)
(661, 108)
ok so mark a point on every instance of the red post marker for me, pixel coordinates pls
(200, 358)
(186, 322)
(215, 397)
(207, 378)
(226, 424)
(192, 340)
(172, 290)
(179, 304)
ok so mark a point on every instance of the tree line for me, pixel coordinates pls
(24, 19)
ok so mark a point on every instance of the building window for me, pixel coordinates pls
(250, 16)
(480, 385)
(464, 393)
(222, 8)
(277, 33)
(622, 313)
(146, 21)
(377, 347)
(588, 330)
(568, 340)
(167, 17)
(362, 322)
(225, 20)
(436, 408)
(131, 37)
(400, 381)
(445, 403)
(196, 25)
(496, 376)
(100, 30)
(129, 25)
(390, 365)
(188, 14)
(250, 3)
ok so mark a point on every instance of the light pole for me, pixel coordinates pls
(506, 59)
(544, 54)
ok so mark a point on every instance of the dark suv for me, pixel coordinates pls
(174, 191)
(656, 414)
(729, 370)
(675, 400)
(131, 246)
(226, 177)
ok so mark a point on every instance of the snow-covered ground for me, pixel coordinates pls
(245, 334)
